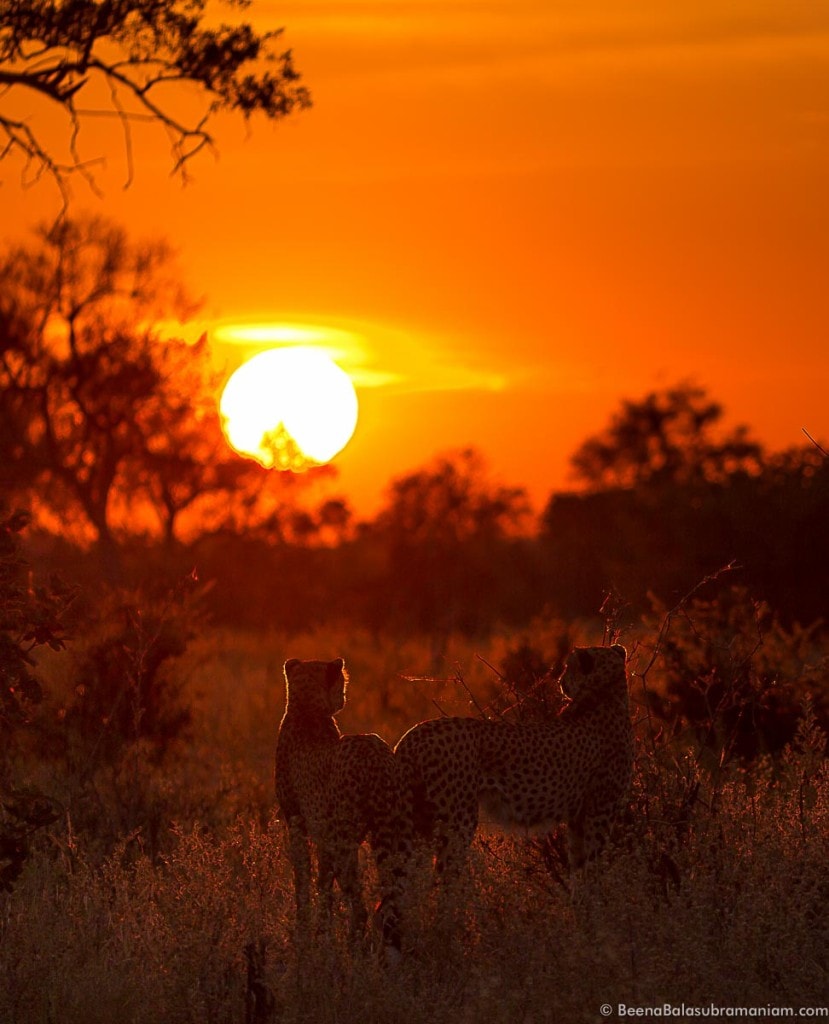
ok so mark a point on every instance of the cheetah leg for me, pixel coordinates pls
(453, 837)
(575, 844)
(325, 880)
(451, 880)
(392, 844)
(301, 863)
(587, 836)
(596, 831)
(451, 854)
(343, 867)
(454, 832)
(392, 853)
(347, 871)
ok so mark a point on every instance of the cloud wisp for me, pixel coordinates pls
(373, 356)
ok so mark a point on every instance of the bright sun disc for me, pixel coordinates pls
(289, 408)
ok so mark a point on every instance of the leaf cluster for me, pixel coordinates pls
(450, 503)
(64, 49)
(730, 675)
(125, 691)
(104, 420)
(671, 436)
(30, 617)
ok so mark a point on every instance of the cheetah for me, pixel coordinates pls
(336, 791)
(575, 768)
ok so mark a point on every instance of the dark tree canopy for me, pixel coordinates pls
(79, 375)
(446, 529)
(129, 60)
(673, 436)
(449, 503)
(109, 428)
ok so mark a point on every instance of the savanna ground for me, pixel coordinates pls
(160, 891)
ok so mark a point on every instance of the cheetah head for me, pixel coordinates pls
(594, 670)
(316, 686)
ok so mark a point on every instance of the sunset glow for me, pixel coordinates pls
(509, 217)
(289, 408)
(468, 355)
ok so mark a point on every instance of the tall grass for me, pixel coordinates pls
(714, 891)
(206, 933)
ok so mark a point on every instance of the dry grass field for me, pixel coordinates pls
(162, 892)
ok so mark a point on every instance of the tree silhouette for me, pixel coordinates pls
(445, 529)
(449, 503)
(102, 421)
(76, 373)
(673, 436)
(132, 60)
(670, 495)
(184, 471)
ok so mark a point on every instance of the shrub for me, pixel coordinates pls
(30, 617)
(728, 672)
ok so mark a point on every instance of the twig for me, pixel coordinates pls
(664, 630)
(819, 447)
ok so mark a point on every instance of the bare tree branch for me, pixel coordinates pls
(139, 50)
(819, 447)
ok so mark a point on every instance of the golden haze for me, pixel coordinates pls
(520, 212)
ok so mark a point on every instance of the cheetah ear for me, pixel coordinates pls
(290, 665)
(620, 652)
(585, 661)
(335, 669)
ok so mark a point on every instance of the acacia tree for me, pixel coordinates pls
(129, 60)
(443, 528)
(668, 495)
(75, 370)
(673, 436)
(184, 470)
(103, 422)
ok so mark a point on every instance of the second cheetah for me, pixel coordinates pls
(575, 768)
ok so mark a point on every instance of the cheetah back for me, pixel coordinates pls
(530, 775)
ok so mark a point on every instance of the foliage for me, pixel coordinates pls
(733, 914)
(732, 674)
(450, 502)
(446, 532)
(670, 436)
(131, 60)
(80, 381)
(108, 427)
(124, 690)
(670, 499)
(30, 617)
(108, 741)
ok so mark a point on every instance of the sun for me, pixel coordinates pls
(289, 408)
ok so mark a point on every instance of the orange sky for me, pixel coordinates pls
(522, 212)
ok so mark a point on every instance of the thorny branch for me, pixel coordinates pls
(64, 50)
(819, 447)
(665, 628)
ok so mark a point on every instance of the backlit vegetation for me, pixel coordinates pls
(142, 867)
(161, 892)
